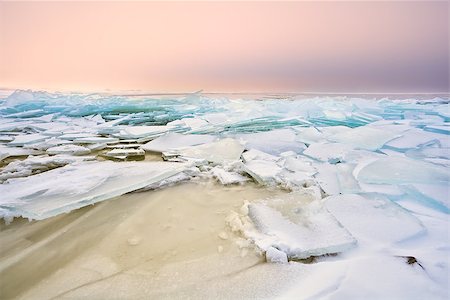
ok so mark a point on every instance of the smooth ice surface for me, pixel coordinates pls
(397, 170)
(320, 234)
(73, 186)
(364, 137)
(174, 140)
(374, 219)
(222, 151)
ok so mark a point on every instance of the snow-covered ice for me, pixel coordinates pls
(367, 178)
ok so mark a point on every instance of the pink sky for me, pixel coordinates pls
(225, 46)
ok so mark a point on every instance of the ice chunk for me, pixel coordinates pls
(273, 142)
(263, 171)
(314, 232)
(438, 128)
(37, 164)
(219, 152)
(398, 170)
(414, 138)
(135, 132)
(328, 152)
(69, 149)
(95, 140)
(126, 153)
(431, 195)
(364, 137)
(377, 219)
(6, 152)
(73, 186)
(274, 255)
(21, 140)
(226, 177)
(299, 165)
(174, 140)
(254, 154)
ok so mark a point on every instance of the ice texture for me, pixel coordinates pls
(368, 174)
(73, 186)
(320, 234)
(173, 140)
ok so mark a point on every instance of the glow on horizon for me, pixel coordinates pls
(225, 46)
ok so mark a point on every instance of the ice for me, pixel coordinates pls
(263, 171)
(398, 170)
(37, 164)
(415, 137)
(126, 153)
(273, 142)
(219, 152)
(254, 154)
(328, 152)
(21, 140)
(68, 149)
(274, 255)
(226, 177)
(96, 140)
(364, 137)
(73, 186)
(135, 132)
(174, 140)
(375, 219)
(438, 129)
(318, 234)
(299, 165)
(6, 152)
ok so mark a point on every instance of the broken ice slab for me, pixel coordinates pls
(430, 195)
(125, 154)
(21, 140)
(254, 154)
(374, 218)
(312, 231)
(272, 142)
(399, 170)
(265, 172)
(96, 140)
(37, 164)
(444, 129)
(226, 178)
(415, 137)
(73, 186)
(328, 152)
(174, 140)
(311, 135)
(219, 152)
(68, 149)
(365, 137)
(337, 179)
(6, 152)
(136, 132)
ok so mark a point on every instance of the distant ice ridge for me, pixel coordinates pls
(356, 169)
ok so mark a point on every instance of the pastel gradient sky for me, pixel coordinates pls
(226, 46)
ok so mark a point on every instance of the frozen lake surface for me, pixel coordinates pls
(337, 197)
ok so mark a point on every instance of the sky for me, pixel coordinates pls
(322, 46)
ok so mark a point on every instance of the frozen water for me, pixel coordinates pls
(219, 152)
(174, 140)
(320, 234)
(73, 186)
(364, 137)
(68, 149)
(376, 219)
(398, 170)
